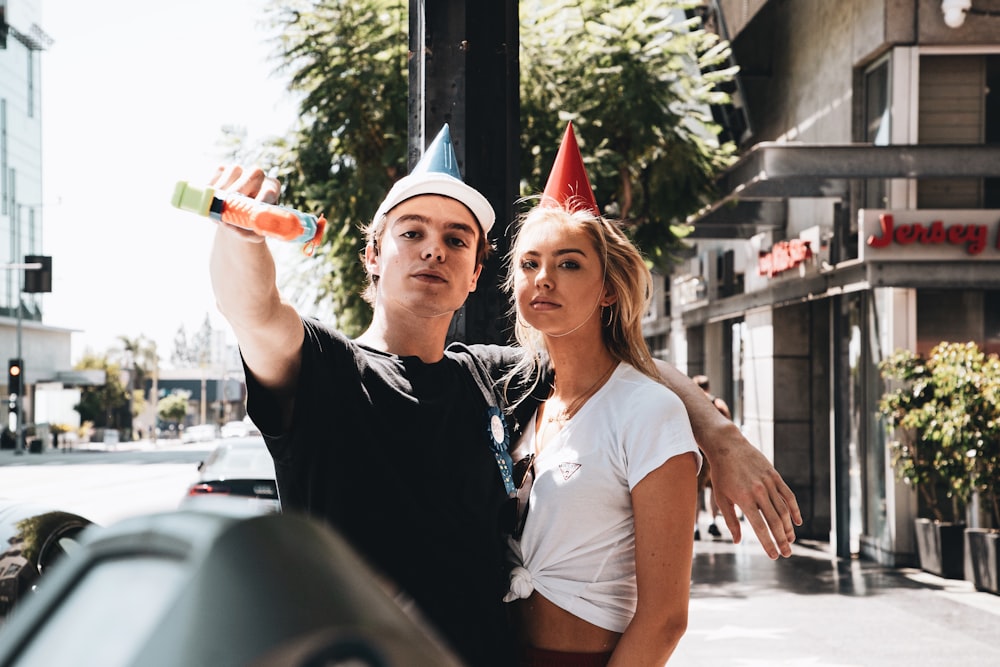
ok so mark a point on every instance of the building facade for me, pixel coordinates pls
(45, 350)
(863, 216)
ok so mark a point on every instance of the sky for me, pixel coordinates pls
(134, 98)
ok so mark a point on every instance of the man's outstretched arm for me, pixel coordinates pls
(269, 330)
(741, 474)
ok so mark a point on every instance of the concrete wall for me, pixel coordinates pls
(793, 399)
(759, 381)
(798, 58)
(45, 350)
(798, 61)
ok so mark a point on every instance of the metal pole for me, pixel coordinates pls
(465, 72)
(204, 395)
(19, 402)
(18, 266)
(416, 100)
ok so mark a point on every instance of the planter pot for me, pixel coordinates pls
(941, 547)
(982, 559)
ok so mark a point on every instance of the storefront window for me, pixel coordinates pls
(737, 335)
(874, 129)
(850, 425)
(876, 511)
(859, 447)
(877, 127)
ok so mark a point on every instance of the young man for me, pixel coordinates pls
(400, 444)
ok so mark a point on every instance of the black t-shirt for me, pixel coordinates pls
(395, 454)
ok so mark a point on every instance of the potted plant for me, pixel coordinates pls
(982, 541)
(945, 419)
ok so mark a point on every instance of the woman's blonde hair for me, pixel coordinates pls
(625, 275)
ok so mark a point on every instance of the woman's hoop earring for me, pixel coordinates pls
(611, 316)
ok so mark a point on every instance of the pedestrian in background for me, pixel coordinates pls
(705, 475)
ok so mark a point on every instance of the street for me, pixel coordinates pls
(104, 486)
(809, 610)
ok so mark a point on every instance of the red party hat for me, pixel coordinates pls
(568, 186)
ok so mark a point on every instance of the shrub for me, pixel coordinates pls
(945, 412)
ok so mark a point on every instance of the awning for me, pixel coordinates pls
(755, 189)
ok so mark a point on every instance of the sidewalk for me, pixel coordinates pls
(812, 610)
(10, 456)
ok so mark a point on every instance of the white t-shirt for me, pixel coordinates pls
(578, 545)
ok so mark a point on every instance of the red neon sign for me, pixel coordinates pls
(784, 256)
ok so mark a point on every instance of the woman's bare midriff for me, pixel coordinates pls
(541, 624)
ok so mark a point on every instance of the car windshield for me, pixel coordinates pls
(247, 459)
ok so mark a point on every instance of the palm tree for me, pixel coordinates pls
(139, 356)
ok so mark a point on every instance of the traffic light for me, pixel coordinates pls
(15, 376)
(38, 280)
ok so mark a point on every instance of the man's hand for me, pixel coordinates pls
(742, 476)
(252, 182)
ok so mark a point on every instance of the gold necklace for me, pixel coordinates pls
(569, 411)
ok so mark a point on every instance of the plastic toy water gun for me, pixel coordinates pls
(269, 220)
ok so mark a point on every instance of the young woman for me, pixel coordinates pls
(603, 562)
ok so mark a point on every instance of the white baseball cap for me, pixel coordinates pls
(437, 174)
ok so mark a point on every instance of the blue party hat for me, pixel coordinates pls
(437, 174)
(439, 156)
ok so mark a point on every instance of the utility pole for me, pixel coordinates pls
(16, 400)
(464, 71)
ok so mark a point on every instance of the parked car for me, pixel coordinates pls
(196, 587)
(200, 433)
(238, 429)
(238, 468)
(33, 538)
(167, 430)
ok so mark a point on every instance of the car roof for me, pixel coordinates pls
(243, 457)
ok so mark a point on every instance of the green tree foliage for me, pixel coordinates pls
(946, 408)
(194, 352)
(637, 79)
(173, 407)
(182, 354)
(139, 357)
(106, 406)
(628, 73)
(203, 341)
(349, 62)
